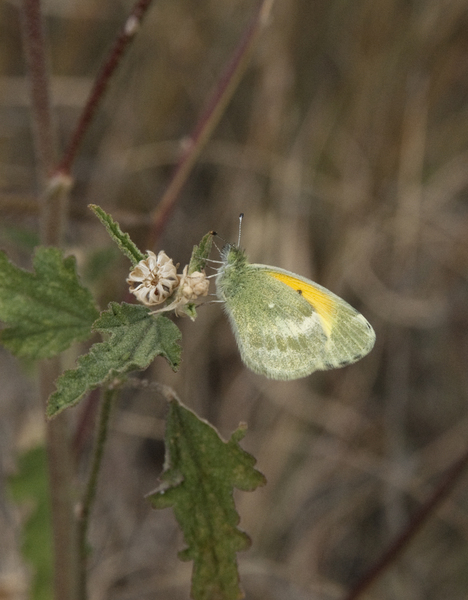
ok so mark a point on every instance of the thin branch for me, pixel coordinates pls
(52, 218)
(90, 493)
(60, 468)
(209, 119)
(121, 44)
(85, 423)
(444, 488)
(37, 68)
(53, 198)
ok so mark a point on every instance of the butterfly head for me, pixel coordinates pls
(232, 256)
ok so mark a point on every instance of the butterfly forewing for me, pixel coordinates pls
(349, 335)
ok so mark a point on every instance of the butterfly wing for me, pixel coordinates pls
(287, 327)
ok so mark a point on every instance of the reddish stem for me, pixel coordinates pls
(210, 117)
(52, 217)
(85, 424)
(34, 47)
(96, 95)
(427, 509)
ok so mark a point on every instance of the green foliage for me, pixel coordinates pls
(30, 487)
(136, 338)
(200, 473)
(122, 239)
(200, 254)
(47, 310)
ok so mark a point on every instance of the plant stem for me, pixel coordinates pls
(61, 487)
(445, 487)
(36, 62)
(90, 493)
(108, 68)
(52, 218)
(209, 119)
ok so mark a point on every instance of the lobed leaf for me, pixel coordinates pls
(136, 338)
(47, 310)
(200, 473)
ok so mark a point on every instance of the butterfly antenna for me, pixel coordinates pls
(241, 217)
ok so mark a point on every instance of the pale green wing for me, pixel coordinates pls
(287, 327)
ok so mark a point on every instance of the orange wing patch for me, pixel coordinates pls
(322, 303)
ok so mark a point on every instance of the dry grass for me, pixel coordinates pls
(346, 146)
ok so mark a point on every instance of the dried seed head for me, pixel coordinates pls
(191, 287)
(194, 285)
(154, 279)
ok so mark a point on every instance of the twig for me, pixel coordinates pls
(52, 217)
(427, 509)
(60, 467)
(36, 62)
(85, 422)
(96, 95)
(209, 119)
(90, 493)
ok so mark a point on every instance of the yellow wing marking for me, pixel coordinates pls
(322, 303)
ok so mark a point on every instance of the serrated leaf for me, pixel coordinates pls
(136, 338)
(200, 473)
(200, 253)
(122, 239)
(47, 310)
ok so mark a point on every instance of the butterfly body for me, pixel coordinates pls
(287, 326)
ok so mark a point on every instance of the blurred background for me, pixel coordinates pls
(346, 146)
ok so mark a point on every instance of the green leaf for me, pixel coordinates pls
(31, 487)
(200, 254)
(200, 473)
(122, 239)
(137, 337)
(46, 310)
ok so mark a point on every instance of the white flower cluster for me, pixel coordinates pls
(155, 279)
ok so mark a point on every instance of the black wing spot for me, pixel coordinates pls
(299, 292)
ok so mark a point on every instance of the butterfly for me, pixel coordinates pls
(287, 326)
